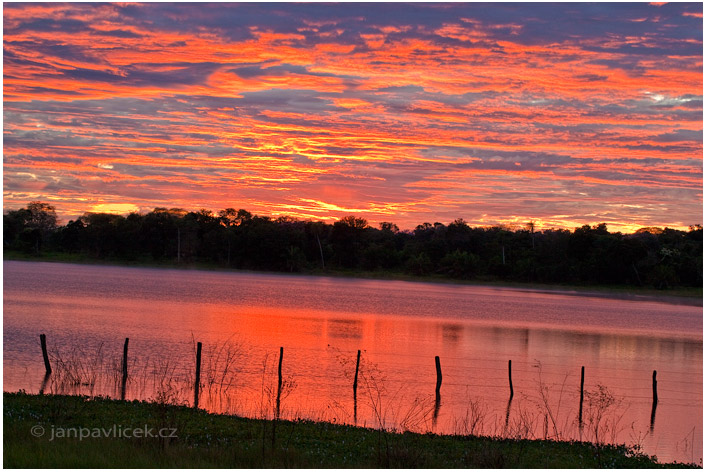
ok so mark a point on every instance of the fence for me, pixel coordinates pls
(439, 378)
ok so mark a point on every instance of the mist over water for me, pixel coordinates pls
(242, 320)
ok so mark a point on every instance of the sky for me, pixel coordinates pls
(561, 114)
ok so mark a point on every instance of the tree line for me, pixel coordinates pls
(653, 257)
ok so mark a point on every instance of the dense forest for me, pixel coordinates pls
(652, 257)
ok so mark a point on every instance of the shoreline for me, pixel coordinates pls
(197, 438)
(689, 296)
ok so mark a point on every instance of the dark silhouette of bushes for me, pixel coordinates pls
(656, 257)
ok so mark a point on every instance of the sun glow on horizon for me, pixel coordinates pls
(115, 208)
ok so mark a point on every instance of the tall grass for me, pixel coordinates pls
(170, 381)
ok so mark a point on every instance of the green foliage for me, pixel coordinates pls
(208, 440)
(419, 264)
(28, 229)
(459, 264)
(590, 255)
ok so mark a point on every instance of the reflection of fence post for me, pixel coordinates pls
(507, 414)
(122, 393)
(509, 373)
(44, 384)
(581, 399)
(198, 375)
(43, 342)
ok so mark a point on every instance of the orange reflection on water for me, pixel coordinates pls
(243, 319)
(398, 375)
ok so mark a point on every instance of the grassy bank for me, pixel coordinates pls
(685, 295)
(208, 440)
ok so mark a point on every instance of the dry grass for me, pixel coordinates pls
(171, 382)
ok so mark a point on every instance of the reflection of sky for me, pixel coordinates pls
(565, 114)
(399, 327)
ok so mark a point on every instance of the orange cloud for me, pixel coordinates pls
(317, 114)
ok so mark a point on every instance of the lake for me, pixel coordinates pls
(243, 319)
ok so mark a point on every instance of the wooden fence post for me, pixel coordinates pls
(509, 373)
(581, 399)
(355, 379)
(279, 379)
(279, 393)
(437, 403)
(122, 392)
(355, 389)
(43, 342)
(654, 400)
(198, 375)
(438, 375)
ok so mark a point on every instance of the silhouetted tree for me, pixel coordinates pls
(347, 237)
(660, 257)
(30, 228)
(390, 227)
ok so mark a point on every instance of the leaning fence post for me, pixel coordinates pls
(355, 389)
(509, 373)
(581, 398)
(43, 342)
(198, 375)
(122, 393)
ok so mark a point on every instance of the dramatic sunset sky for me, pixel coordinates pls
(564, 114)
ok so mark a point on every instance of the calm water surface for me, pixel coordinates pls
(243, 319)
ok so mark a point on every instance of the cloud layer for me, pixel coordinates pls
(500, 113)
